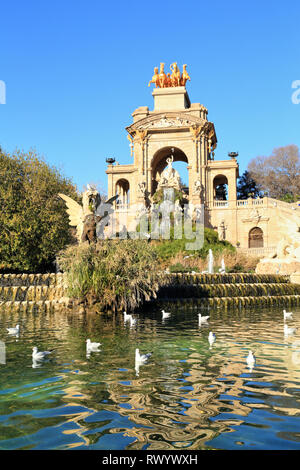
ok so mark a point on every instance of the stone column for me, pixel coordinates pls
(232, 188)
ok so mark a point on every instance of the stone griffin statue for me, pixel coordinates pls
(85, 218)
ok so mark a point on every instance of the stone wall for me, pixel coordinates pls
(27, 291)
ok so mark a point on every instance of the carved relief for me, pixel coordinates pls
(141, 137)
(256, 217)
(166, 122)
(195, 131)
(142, 188)
(198, 188)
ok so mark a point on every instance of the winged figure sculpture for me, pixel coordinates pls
(87, 216)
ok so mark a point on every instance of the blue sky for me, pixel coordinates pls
(76, 70)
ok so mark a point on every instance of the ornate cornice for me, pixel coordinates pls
(169, 120)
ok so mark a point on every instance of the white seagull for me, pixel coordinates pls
(92, 346)
(39, 355)
(165, 314)
(127, 316)
(202, 319)
(211, 338)
(251, 359)
(288, 331)
(141, 358)
(14, 331)
(287, 315)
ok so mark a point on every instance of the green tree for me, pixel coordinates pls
(33, 219)
(247, 187)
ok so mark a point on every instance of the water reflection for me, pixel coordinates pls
(189, 394)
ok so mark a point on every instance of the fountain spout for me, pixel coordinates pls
(210, 262)
(222, 270)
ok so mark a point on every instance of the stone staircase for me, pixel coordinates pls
(32, 291)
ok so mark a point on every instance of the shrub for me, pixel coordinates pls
(115, 274)
(179, 268)
(167, 249)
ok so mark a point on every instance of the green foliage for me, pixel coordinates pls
(179, 268)
(290, 197)
(167, 249)
(33, 220)
(115, 274)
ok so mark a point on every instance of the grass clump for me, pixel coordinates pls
(113, 274)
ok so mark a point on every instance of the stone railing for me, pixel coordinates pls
(220, 203)
(260, 252)
(266, 202)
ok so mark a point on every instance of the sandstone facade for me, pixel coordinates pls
(181, 128)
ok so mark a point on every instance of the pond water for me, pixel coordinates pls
(189, 395)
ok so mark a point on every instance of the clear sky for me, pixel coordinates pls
(75, 71)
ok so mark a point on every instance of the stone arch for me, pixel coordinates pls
(256, 238)
(122, 188)
(159, 162)
(220, 187)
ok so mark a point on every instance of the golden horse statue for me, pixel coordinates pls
(184, 76)
(175, 76)
(162, 76)
(155, 78)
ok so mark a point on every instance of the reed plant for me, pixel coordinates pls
(112, 274)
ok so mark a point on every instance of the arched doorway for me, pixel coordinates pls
(159, 163)
(256, 238)
(122, 189)
(220, 185)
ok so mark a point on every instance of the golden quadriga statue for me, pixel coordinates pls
(174, 79)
